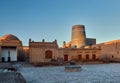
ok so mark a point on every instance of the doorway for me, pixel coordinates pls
(93, 57)
(79, 57)
(87, 57)
(66, 57)
(48, 54)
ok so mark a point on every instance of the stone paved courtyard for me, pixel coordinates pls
(97, 73)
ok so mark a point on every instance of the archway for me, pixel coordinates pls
(48, 54)
(8, 54)
(93, 57)
(79, 57)
(65, 57)
(87, 57)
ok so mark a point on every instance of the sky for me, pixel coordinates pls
(53, 19)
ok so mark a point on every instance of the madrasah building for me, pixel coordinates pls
(79, 48)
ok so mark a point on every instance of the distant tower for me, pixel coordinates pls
(78, 37)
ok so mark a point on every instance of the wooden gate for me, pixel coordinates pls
(65, 57)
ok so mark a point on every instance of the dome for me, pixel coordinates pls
(9, 37)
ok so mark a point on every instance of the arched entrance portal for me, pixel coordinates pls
(9, 54)
(48, 54)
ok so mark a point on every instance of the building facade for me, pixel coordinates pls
(49, 51)
(90, 41)
(79, 54)
(79, 48)
(10, 48)
(110, 50)
(42, 51)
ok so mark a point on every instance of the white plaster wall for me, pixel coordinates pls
(13, 54)
(5, 53)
